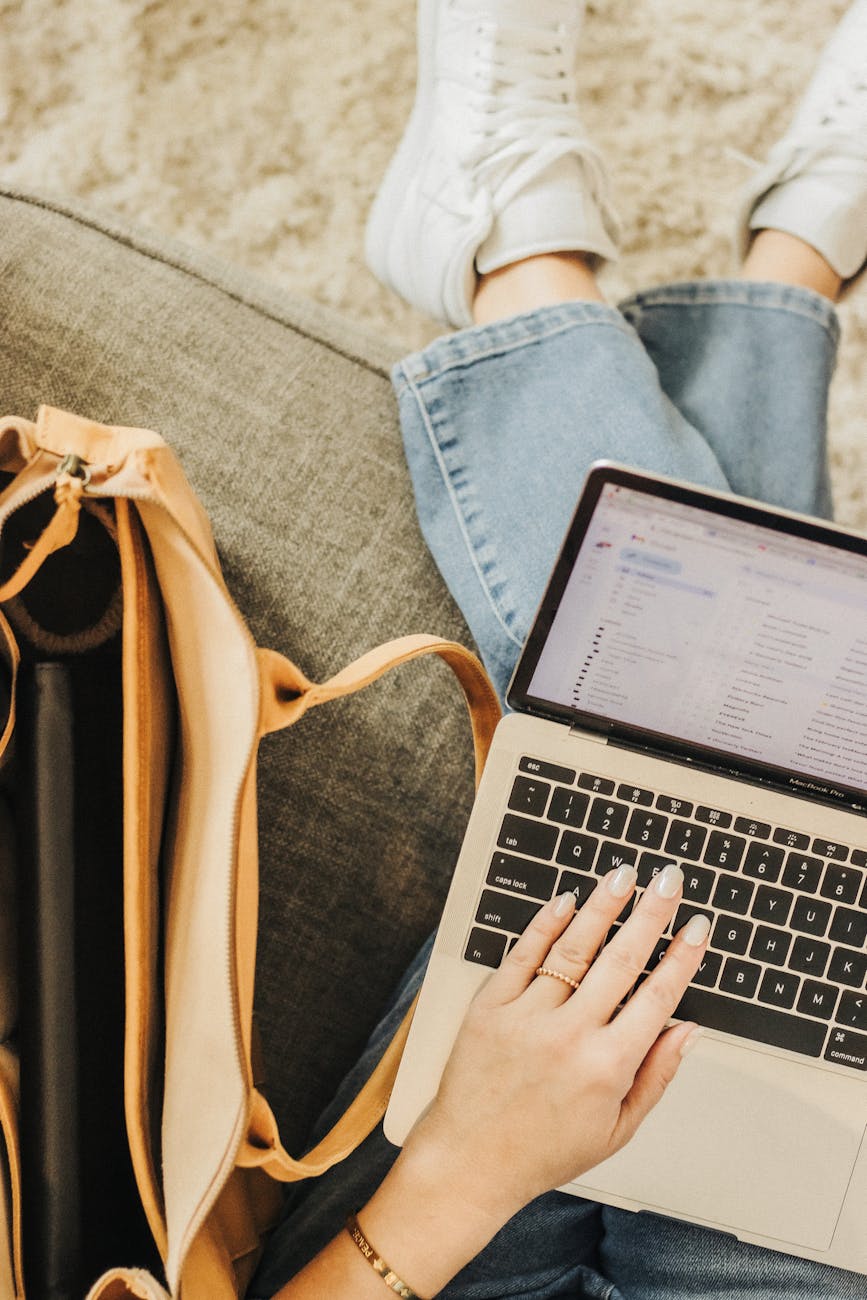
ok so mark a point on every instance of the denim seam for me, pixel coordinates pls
(457, 508)
(647, 302)
(502, 349)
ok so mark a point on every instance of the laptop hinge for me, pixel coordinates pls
(581, 733)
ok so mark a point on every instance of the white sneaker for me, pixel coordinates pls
(814, 184)
(493, 166)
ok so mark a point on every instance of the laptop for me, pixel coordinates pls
(694, 690)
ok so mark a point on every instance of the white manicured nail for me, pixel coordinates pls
(690, 1041)
(621, 881)
(696, 930)
(564, 904)
(669, 880)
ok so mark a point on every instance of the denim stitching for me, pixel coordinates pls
(503, 348)
(460, 516)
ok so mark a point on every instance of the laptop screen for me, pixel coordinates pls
(726, 630)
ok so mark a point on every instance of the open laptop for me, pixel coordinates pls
(694, 689)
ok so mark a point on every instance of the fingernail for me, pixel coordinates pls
(621, 881)
(565, 904)
(696, 930)
(669, 880)
(690, 1041)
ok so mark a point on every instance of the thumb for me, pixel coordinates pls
(655, 1073)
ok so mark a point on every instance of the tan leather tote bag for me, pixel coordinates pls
(197, 697)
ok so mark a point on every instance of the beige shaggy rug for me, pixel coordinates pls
(259, 129)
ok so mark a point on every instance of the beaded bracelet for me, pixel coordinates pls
(377, 1263)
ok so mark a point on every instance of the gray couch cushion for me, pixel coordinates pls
(284, 420)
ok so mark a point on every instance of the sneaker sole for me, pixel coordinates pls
(379, 241)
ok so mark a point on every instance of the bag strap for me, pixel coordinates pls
(289, 697)
(287, 694)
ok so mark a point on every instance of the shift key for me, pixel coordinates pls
(523, 835)
(504, 912)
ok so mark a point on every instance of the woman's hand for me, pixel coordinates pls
(545, 1081)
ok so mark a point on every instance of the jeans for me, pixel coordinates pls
(723, 384)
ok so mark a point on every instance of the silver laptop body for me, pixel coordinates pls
(694, 689)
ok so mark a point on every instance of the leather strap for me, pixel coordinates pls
(286, 696)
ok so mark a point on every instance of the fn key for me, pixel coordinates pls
(485, 947)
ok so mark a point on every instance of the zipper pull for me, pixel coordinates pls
(74, 467)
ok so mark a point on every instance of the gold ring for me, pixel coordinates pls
(557, 975)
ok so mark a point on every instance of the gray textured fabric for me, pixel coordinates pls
(362, 804)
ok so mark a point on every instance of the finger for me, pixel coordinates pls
(573, 953)
(653, 1076)
(620, 963)
(518, 968)
(637, 1026)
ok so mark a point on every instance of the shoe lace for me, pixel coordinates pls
(524, 102)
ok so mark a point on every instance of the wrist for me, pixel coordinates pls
(426, 1221)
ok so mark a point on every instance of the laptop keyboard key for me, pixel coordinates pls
(802, 872)
(772, 904)
(685, 840)
(485, 947)
(810, 915)
(697, 883)
(581, 886)
(731, 934)
(849, 926)
(520, 876)
(818, 999)
(595, 784)
(741, 977)
(771, 945)
(713, 817)
(829, 849)
(676, 807)
(650, 865)
(764, 861)
(846, 1048)
(709, 969)
(843, 884)
(791, 839)
(577, 850)
(755, 830)
(752, 1020)
(779, 988)
(536, 839)
(646, 829)
(607, 818)
(613, 855)
(636, 795)
(504, 912)
(848, 967)
(684, 914)
(568, 807)
(733, 894)
(858, 858)
(853, 1010)
(724, 850)
(529, 796)
(809, 956)
(547, 771)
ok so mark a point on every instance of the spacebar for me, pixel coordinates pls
(762, 1024)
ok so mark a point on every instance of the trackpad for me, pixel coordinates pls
(747, 1142)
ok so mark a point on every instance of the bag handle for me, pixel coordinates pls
(287, 695)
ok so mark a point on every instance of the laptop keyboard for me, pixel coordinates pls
(787, 958)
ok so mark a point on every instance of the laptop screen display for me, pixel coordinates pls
(731, 630)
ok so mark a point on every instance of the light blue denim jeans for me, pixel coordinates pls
(724, 384)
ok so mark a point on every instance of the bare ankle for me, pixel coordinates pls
(778, 257)
(540, 281)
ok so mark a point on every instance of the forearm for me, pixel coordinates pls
(419, 1220)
